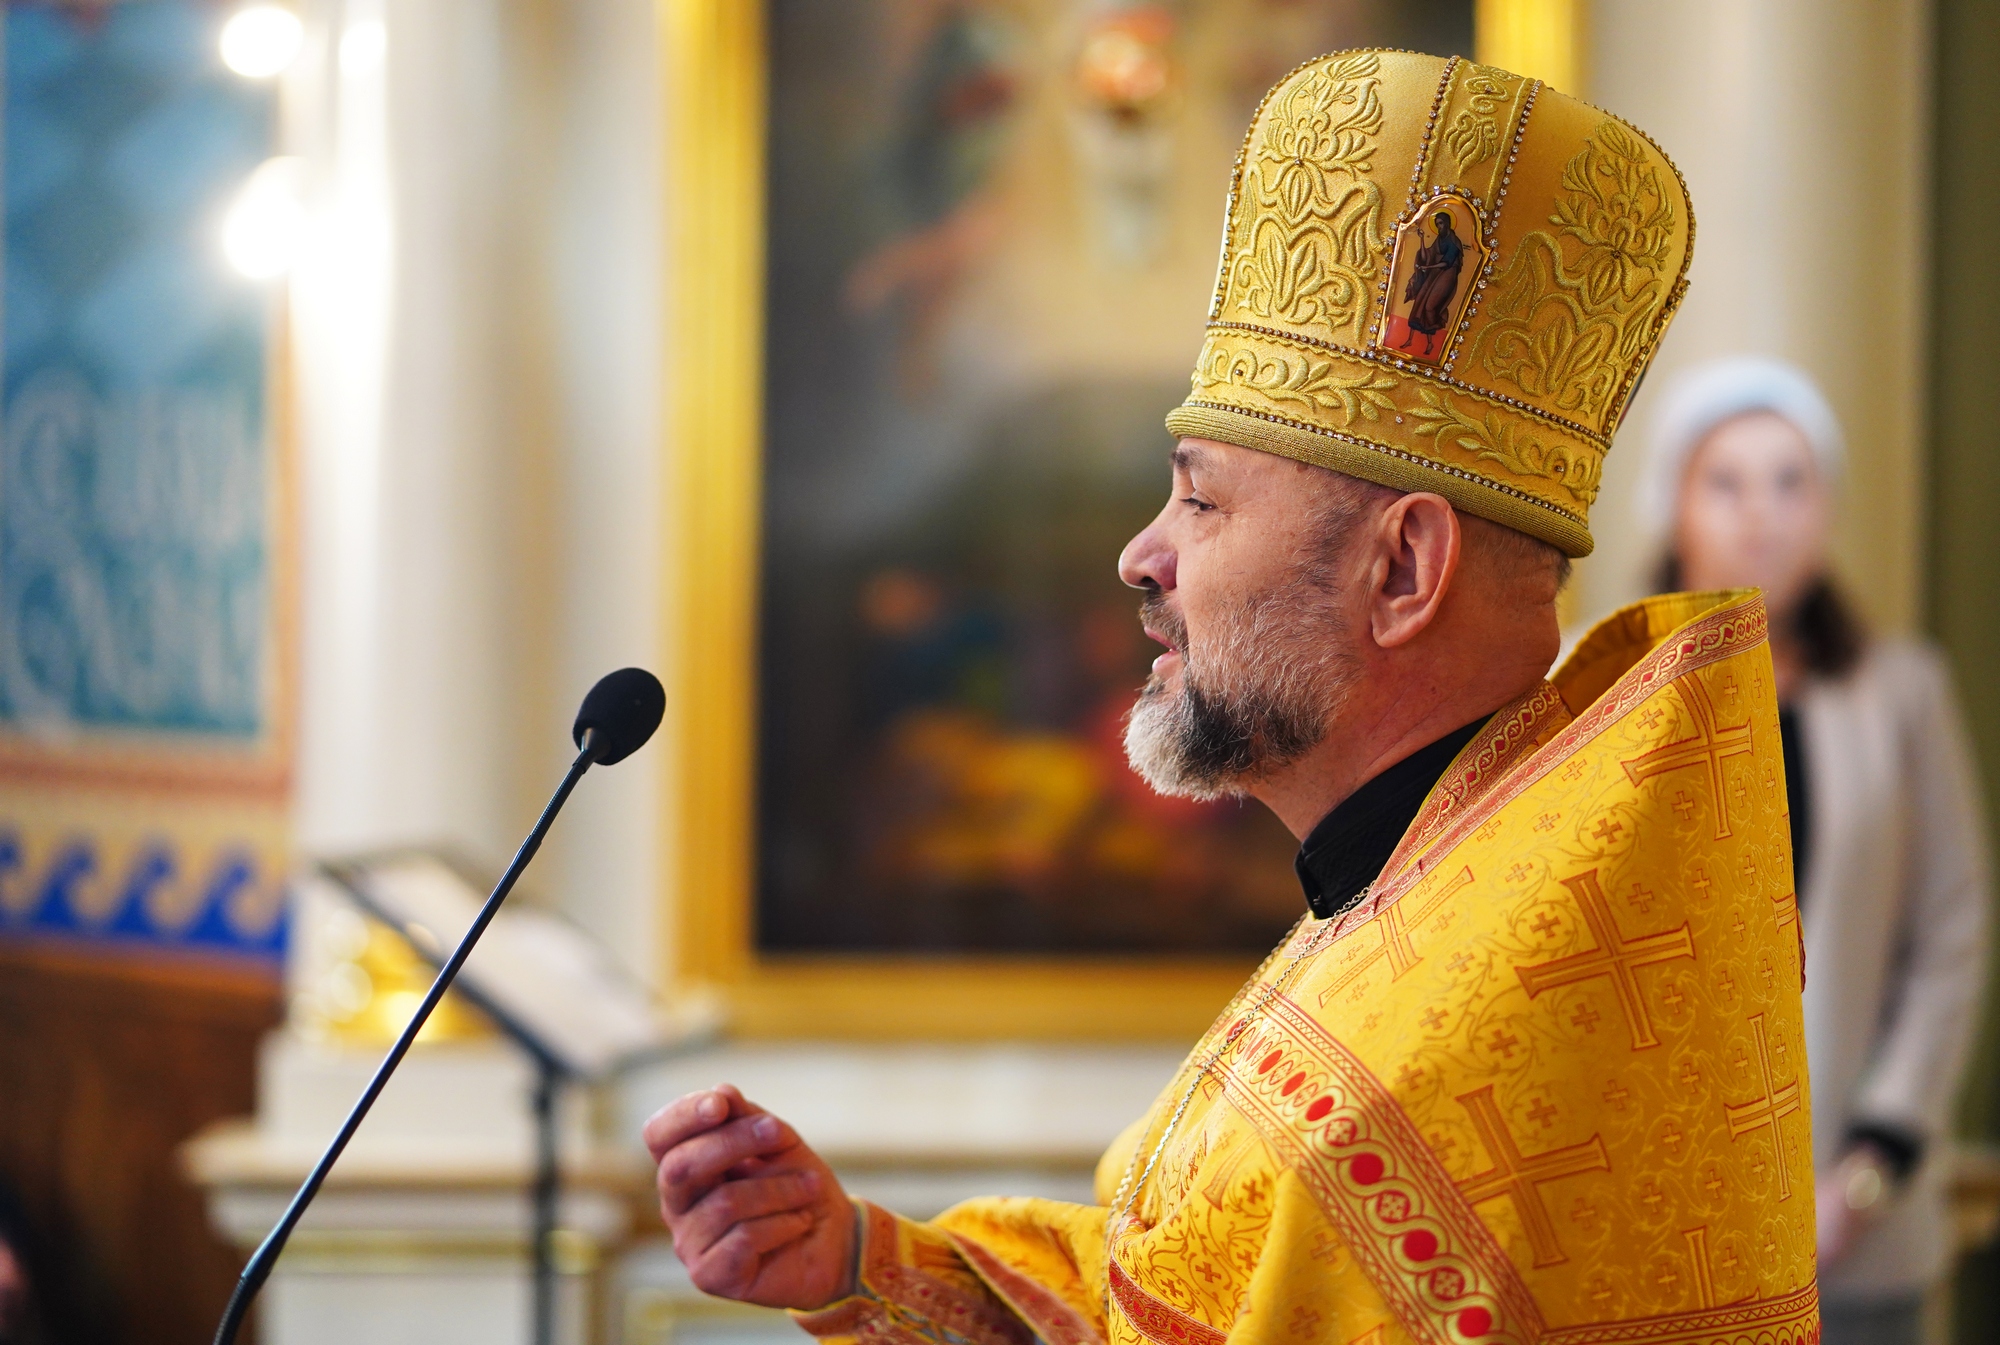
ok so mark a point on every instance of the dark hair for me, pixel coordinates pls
(1829, 633)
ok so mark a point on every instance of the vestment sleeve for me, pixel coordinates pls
(1003, 1271)
(1931, 1012)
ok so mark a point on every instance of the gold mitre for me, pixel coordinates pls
(1440, 276)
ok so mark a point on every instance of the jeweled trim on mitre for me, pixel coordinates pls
(1490, 204)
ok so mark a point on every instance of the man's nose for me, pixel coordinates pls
(1148, 561)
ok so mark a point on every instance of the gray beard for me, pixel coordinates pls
(1257, 696)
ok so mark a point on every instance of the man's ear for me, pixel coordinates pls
(1420, 541)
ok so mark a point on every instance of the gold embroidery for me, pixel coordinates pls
(1575, 307)
(1510, 735)
(1313, 242)
(1474, 133)
(1510, 442)
(1302, 379)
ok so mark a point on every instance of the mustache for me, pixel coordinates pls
(1271, 671)
(1157, 613)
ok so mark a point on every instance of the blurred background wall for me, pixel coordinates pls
(1962, 574)
(484, 515)
(1840, 154)
(483, 379)
(1804, 131)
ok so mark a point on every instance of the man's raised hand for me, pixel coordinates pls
(756, 1215)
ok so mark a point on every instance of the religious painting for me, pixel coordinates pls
(991, 241)
(940, 268)
(144, 725)
(1440, 253)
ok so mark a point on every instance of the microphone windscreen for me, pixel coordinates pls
(624, 707)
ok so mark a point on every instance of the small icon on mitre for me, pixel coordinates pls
(1439, 255)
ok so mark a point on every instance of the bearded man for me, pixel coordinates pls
(1531, 1068)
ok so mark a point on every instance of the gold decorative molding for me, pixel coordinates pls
(973, 999)
(715, 67)
(666, 1317)
(236, 1154)
(715, 71)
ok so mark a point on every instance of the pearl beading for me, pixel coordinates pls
(1430, 139)
(1490, 222)
(1493, 226)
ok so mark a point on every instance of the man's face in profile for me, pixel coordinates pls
(1241, 572)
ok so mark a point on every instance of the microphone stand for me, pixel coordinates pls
(266, 1256)
(548, 1079)
(550, 1076)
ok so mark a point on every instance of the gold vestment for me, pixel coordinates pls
(1545, 1083)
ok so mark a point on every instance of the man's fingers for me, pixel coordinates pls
(685, 1117)
(738, 1104)
(737, 1202)
(690, 1168)
(729, 1267)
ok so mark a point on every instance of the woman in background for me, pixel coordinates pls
(1889, 855)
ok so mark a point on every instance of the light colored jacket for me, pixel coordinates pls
(1895, 918)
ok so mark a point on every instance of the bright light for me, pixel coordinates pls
(260, 40)
(266, 224)
(362, 47)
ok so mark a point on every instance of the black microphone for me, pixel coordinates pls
(616, 719)
(623, 709)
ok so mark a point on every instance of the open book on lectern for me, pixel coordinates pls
(543, 980)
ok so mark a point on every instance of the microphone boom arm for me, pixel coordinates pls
(259, 1268)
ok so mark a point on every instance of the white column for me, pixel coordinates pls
(1802, 128)
(608, 240)
(477, 348)
(407, 722)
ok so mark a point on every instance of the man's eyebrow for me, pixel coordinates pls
(1188, 458)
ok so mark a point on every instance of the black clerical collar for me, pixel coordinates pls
(1348, 848)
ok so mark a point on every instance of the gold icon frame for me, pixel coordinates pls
(1410, 236)
(714, 64)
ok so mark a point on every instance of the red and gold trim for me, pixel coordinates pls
(1341, 1131)
(1790, 1320)
(1054, 1321)
(1512, 732)
(1161, 1323)
(1724, 633)
(915, 1289)
(1342, 1137)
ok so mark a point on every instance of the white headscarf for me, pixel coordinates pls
(1702, 397)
